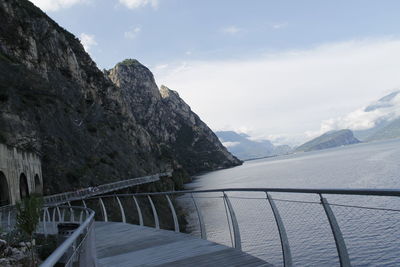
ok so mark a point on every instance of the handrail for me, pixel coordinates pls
(355, 191)
(102, 189)
(62, 249)
(232, 215)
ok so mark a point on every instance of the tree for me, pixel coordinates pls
(28, 215)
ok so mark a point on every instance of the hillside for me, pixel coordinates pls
(389, 131)
(329, 140)
(84, 125)
(244, 148)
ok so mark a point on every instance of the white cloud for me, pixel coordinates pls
(362, 118)
(88, 41)
(288, 93)
(133, 4)
(232, 30)
(278, 26)
(133, 32)
(55, 5)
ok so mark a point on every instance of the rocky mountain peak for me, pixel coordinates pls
(166, 92)
(88, 126)
(131, 75)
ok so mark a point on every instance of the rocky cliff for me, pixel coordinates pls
(172, 123)
(329, 140)
(89, 127)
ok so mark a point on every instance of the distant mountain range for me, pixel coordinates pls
(329, 140)
(244, 148)
(387, 125)
(383, 115)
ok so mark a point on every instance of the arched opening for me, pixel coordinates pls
(4, 191)
(23, 186)
(38, 185)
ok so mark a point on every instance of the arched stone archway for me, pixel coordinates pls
(38, 185)
(23, 186)
(4, 190)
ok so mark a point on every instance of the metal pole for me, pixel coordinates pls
(171, 206)
(235, 225)
(337, 234)
(156, 221)
(287, 256)
(103, 208)
(139, 211)
(203, 231)
(122, 210)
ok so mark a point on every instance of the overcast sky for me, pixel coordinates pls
(283, 70)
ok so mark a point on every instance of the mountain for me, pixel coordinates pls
(329, 140)
(168, 119)
(241, 146)
(384, 112)
(91, 127)
(389, 131)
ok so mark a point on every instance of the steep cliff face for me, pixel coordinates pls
(179, 131)
(56, 102)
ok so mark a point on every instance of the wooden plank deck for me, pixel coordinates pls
(121, 244)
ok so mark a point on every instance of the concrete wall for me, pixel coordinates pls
(14, 163)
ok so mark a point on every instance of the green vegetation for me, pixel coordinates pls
(130, 62)
(28, 214)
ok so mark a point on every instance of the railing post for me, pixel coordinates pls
(122, 210)
(44, 222)
(287, 256)
(337, 234)
(153, 208)
(235, 225)
(103, 208)
(72, 216)
(139, 211)
(171, 206)
(203, 231)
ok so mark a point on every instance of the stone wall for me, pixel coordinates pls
(20, 174)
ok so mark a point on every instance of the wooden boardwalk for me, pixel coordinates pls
(121, 244)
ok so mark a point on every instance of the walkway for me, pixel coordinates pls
(120, 244)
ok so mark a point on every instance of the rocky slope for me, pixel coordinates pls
(169, 119)
(56, 102)
(329, 140)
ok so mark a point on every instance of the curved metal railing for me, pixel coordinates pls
(79, 247)
(102, 189)
(283, 226)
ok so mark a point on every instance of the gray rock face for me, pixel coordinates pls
(329, 140)
(89, 129)
(169, 120)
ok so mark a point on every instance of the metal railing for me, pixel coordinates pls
(284, 226)
(79, 248)
(101, 189)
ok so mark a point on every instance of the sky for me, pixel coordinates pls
(278, 70)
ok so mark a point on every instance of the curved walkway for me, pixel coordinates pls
(120, 244)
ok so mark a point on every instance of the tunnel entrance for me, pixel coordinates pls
(4, 191)
(23, 186)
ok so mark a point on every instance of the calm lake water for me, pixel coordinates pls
(372, 236)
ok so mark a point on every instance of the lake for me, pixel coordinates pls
(369, 165)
